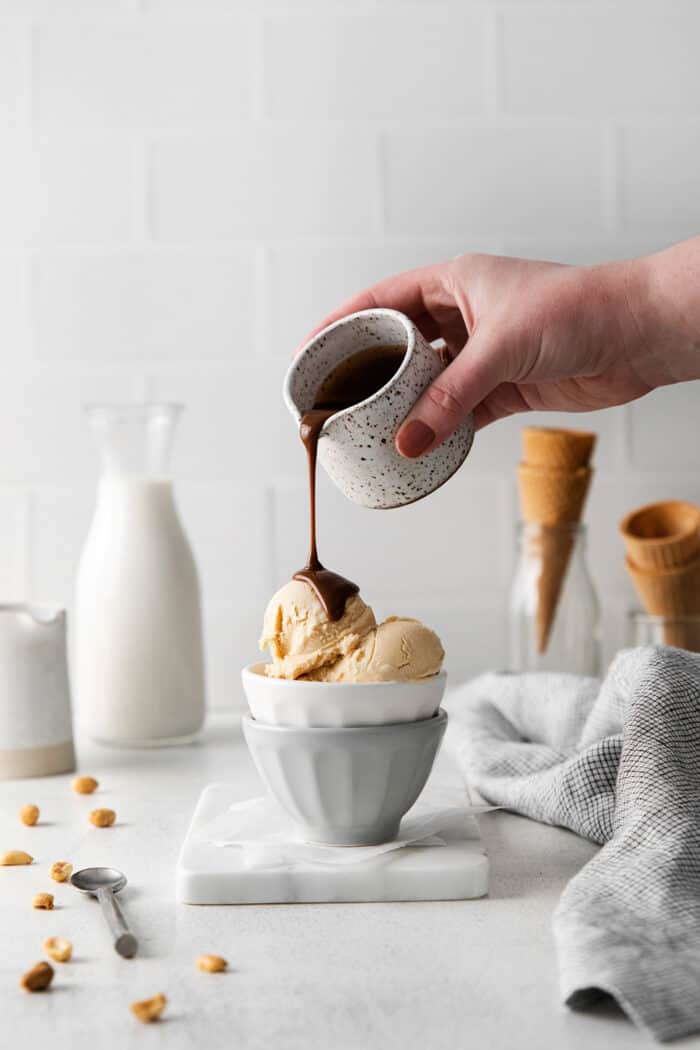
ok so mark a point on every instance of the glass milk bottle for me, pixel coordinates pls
(553, 613)
(138, 662)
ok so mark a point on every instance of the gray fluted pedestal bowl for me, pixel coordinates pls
(346, 786)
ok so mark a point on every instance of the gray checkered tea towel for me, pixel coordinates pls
(619, 763)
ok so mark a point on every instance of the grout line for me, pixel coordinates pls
(494, 64)
(626, 438)
(28, 569)
(380, 224)
(140, 192)
(262, 306)
(610, 174)
(258, 77)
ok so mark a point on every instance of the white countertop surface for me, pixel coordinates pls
(302, 977)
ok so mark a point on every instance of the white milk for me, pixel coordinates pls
(138, 659)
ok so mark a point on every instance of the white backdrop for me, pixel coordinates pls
(187, 185)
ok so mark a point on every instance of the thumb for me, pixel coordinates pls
(450, 398)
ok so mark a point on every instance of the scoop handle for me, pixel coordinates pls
(124, 941)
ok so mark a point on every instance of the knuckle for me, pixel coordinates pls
(446, 398)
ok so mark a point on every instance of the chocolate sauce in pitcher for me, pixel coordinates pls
(353, 380)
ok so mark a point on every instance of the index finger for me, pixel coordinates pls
(411, 292)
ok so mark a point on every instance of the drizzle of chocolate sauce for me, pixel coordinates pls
(352, 381)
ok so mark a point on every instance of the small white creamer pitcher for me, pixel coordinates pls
(356, 445)
(36, 732)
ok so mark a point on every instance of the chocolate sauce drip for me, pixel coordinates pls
(352, 381)
(333, 590)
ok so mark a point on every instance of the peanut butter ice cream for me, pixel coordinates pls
(305, 643)
(300, 635)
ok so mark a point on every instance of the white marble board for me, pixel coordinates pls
(211, 874)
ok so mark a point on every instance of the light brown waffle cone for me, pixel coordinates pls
(553, 497)
(662, 535)
(669, 592)
(551, 547)
(557, 449)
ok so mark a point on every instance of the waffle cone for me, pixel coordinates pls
(551, 547)
(553, 497)
(557, 449)
(668, 593)
(662, 535)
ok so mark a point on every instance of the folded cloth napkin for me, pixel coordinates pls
(619, 763)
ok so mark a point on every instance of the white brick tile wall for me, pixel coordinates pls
(230, 527)
(44, 436)
(607, 59)
(351, 68)
(231, 632)
(13, 307)
(159, 306)
(16, 219)
(59, 519)
(308, 279)
(450, 544)
(14, 72)
(269, 181)
(447, 180)
(13, 543)
(235, 427)
(186, 186)
(82, 189)
(141, 73)
(664, 432)
(661, 155)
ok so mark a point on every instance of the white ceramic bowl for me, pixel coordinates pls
(346, 787)
(282, 702)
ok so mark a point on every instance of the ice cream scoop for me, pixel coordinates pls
(398, 650)
(304, 642)
(300, 635)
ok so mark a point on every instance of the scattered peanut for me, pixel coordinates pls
(84, 785)
(61, 871)
(149, 1009)
(43, 900)
(211, 964)
(29, 815)
(15, 856)
(58, 948)
(102, 818)
(38, 978)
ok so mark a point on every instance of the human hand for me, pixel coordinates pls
(522, 336)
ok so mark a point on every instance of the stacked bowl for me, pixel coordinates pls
(346, 761)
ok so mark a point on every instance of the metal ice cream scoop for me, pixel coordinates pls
(103, 883)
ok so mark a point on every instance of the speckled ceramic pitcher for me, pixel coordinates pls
(356, 446)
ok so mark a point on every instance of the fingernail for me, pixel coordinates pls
(414, 437)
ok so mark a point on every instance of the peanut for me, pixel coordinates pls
(84, 785)
(61, 871)
(102, 818)
(43, 900)
(211, 964)
(58, 948)
(29, 815)
(38, 978)
(149, 1009)
(15, 856)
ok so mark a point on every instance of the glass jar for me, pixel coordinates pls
(138, 654)
(683, 632)
(554, 615)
